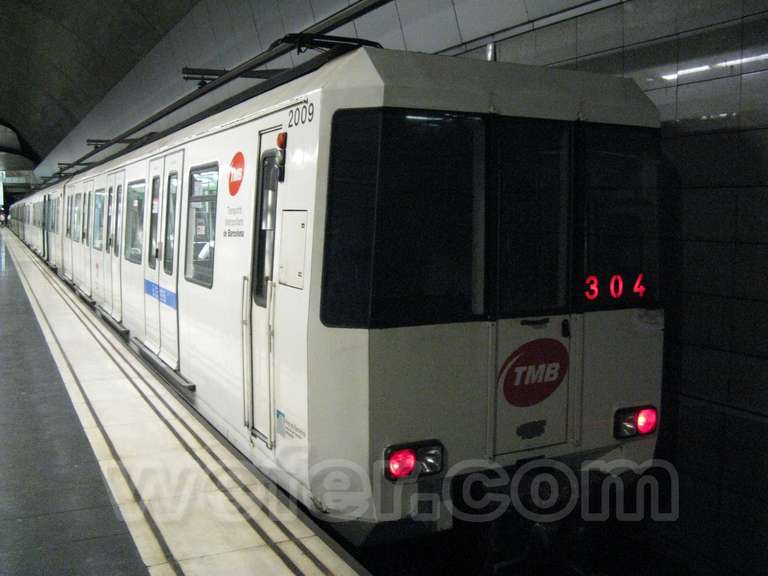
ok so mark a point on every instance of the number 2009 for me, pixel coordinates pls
(301, 115)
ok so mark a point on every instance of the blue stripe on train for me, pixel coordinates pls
(158, 293)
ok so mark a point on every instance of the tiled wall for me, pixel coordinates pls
(705, 64)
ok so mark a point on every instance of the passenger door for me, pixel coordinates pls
(77, 231)
(151, 269)
(44, 225)
(85, 281)
(117, 243)
(259, 403)
(66, 257)
(97, 244)
(536, 357)
(168, 265)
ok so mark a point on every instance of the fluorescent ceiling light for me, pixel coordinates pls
(738, 61)
(685, 72)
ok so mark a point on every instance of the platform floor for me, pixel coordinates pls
(104, 470)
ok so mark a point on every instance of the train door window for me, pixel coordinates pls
(134, 221)
(76, 228)
(534, 193)
(118, 224)
(86, 218)
(267, 213)
(201, 225)
(98, 220)
(170, 224)
(109, 218)
(68, 208)
(154, 219)
(619, 217)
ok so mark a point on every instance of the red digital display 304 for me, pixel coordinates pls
(614, 287)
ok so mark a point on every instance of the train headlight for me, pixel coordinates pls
(639, 421)
(413, 460)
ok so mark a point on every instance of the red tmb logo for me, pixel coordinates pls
(534, 371)
(236, 169)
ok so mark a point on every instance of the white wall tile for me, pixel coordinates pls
(540, 8)
(600, 31)
(481, 17)
(648, 19)
(297, 15)
(428, 25)
(324, 8)
(383, 26)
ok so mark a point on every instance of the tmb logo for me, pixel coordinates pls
(534, 371)
(236, 168)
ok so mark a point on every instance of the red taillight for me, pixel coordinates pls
(639, 421)
(646, 420)
(401, 463)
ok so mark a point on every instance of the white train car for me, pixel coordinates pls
(388, 267)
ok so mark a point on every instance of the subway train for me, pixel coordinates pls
(389, 270)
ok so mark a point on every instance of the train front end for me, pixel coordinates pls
(490, 294)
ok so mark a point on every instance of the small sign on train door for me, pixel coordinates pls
(293, 239)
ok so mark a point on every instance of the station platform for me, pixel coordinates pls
(106, 471)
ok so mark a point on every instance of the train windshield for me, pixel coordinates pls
(618, 217)
(438, 217)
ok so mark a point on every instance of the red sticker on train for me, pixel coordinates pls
(236, 171)
(534, 371)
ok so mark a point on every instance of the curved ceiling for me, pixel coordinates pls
(60, 57)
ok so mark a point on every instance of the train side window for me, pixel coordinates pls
(169, 242)
(118, 224)
(154, 219)
(201, 225)
(267, 213)
(134, 221)
(98, 220)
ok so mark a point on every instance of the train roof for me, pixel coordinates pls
(468, 85)
(401, 79)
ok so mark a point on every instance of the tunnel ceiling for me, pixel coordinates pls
(58, 58)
